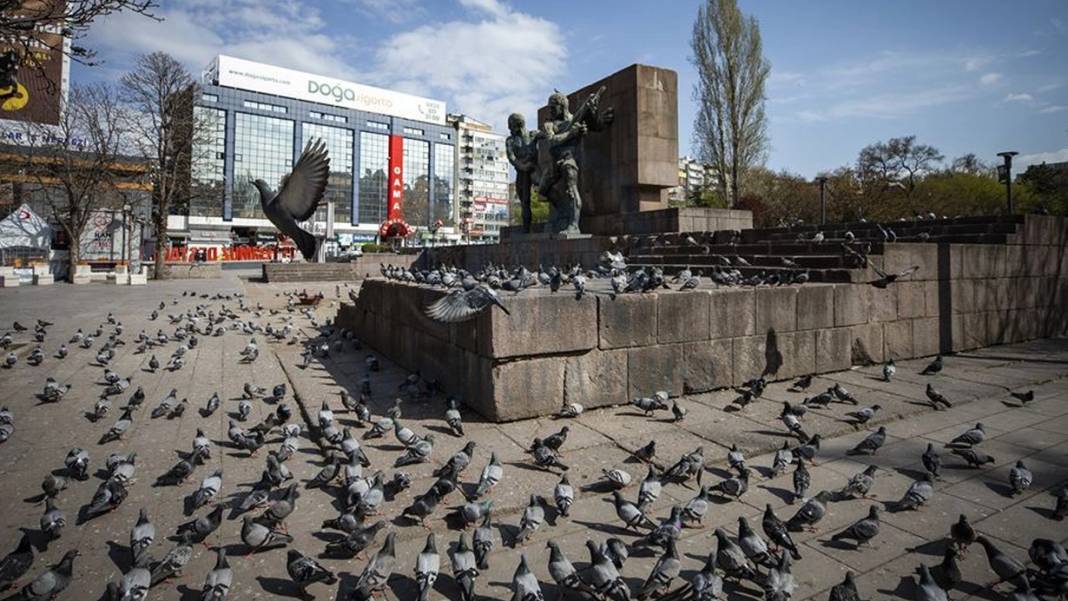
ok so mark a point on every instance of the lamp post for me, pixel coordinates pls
(1005, 175)
(126, 209)
(822, 181)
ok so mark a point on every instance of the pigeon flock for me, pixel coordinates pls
(751, 560)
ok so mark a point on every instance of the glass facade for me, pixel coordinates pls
(208, 183)
(339, 187)
(416, 182)
(263, 149)
(374, 167)
(444, 184)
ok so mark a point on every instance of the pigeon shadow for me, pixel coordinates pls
(905, 589)
(607, 528)
(1000, 488)
(1042, 511)
(119, 555)
(787, 496)
(282, 587)
(934, 548)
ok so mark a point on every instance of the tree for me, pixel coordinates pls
(970, 164)
(23, 21)
(730, 130)
(897, 163)
(167, 134)
(75, 163)
(1044, 187)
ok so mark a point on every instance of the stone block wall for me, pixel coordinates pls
(554, 349)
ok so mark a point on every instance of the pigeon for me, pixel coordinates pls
(706, 584)
(217, 584)
(617, 478)
(77, 463)
(463, 305)
(563, 572)
(932, 461)
(197, 530)
(142, 535)
(917, 495)
(53, 520)
(134, 584)
(473, 511)
(571, 410)
(532, 519)
(1007, 568)
(974, 457)
(426, 568)
(258, 536)
(859, 484)
(927, 589)
(166, 405)
(688, 466)
(802, 383)
(779, 584)
(885, 279)
(649, 489)
(15, 564)
(464, 568)
(802, 479)
(668, 529)
(842, 394)
(208, 490)
(458, 462)
(677, 411)
(783, 457)
(376, 573)
(937, 400)
(665, 571)
(483, 542)
(423, 506)
(962, 533)
(777, 532)
(697, 507)
(970, 437)
(809, 514)
(356, 541)
(1024, 397)
(733, 487)
(863, 416)
(491, 475)
(304, 570)
(119, 428)
(649, 405)
(211, 406)
(174, 562)
(1020, 478)
(933, 367)
(53, 581)
(453, 419)
(632, 516)
(809, 450)
(604, 577)
(244, 409)
(754, 547)
(647, 452)
(417, 453)
(731, 559)
(564, 496)
(545, 458)
(948, 576)
(861, 531)
(108, 496)
(871, 444)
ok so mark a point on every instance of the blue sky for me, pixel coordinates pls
(965, 76)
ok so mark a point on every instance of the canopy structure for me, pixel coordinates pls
(25, 229)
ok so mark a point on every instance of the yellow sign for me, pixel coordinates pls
(14, 102)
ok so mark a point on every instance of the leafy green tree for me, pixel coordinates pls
(1043, 187)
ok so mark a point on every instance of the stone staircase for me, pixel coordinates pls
(764, 250)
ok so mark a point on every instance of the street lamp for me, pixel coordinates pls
(822, 181)
(1005, 174)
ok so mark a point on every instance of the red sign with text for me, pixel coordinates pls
(395, 208)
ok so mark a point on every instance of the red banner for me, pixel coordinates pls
(395, 208)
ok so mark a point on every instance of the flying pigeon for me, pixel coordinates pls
(462, 305)
(298, 196)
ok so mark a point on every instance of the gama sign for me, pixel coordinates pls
(269, 79)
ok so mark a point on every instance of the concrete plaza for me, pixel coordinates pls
(979, 383)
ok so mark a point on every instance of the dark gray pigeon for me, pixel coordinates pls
(298, 196)
(871, 443)
(462, 305)
(50, 583)
(863, 530)
(15, 564)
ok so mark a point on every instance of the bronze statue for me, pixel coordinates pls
(522, 151)
(557, 171)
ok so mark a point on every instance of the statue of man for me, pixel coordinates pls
(522, 152)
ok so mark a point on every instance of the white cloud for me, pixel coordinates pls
(394, 11)
(1021, 97)
(1056, 108)
(1028, 53)
(500, 62)
(990, 79)
(976, 62)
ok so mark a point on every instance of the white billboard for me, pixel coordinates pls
(269, 79)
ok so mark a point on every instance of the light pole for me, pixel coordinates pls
(126, 209)
(1005, 175)
(822, 181)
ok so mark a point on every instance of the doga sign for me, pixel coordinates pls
(258, 77)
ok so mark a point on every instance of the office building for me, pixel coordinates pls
(383, 145)
(482, 179)
(694, 176)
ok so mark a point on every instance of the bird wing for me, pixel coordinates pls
(457, 306)
(302, 189)
(908, 271)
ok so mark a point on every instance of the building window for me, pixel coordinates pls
(328, 117)
(209, 97)
(263, 149)
(378, 125)
(413, 131)
(443, 184)
(374, 167)
(263, 106)
(416, 182)
(207, 163)
(339, 186)
(445, 136)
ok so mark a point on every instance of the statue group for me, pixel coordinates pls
(546, 158)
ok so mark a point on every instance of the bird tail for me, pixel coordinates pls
(306, 243)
